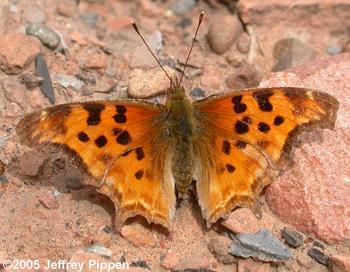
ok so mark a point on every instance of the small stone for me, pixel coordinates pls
(243, 43)
(221, 38)
(100, 250)
(96, 61)
(67, 8)
(318, 255)
(318, 244)
(263, 246)
(244, 77)
(118, 23)
(45, 34)
(249, 265)
(291, 52)
(148, 83)
(292, 238)
(334, 49)
(305, 261)
(138, 235)
(50, 202)
(184, 22)
(170, 260)
(43, 71)
(197, 92)
(338, 263)
(142, 264)
(194, 262)
(211, 82)
(30, 80)
(220, 246)
(89, 19)
(182, 6)
(31, 163)
(68, 81)
(243, 220)
(17, 51)
(34, 15)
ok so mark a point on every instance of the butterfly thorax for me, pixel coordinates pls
(181, 124)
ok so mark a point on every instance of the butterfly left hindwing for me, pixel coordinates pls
(242, 138)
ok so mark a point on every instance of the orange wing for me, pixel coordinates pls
(116, 141)
(243, 137)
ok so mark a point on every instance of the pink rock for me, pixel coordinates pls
(100, 237)
(17, 51)
(219, 246)
(3, 257)
(243, 220)
(149, 83)
(31, 163)
(244, 77)
(50, 202)
(170, 260)
(138, 235)
(195, 262)
(243, 43)
(67, 8)
(340, 263)
(314, 194)
(249, 265)
(221, 38)
(96, 61)
(118, 23)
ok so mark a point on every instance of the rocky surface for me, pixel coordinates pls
(92, 53)
(317, 203)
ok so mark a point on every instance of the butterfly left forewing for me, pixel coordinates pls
(116, 141)
(258, 125)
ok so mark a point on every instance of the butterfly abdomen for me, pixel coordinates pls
(183, 130)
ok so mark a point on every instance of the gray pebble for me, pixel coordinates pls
(100, 250)
(43, 72)
(68, 81)
(333, 50)
(182, 6)
(263, 246)
(318, 255)
(292, 238)
(197, 92)
(89, 18)
(46, 35)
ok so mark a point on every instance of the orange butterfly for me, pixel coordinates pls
(141, 154)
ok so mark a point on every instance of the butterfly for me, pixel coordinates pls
(144, 155)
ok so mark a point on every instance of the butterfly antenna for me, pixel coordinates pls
(194, 39)
(149, 49)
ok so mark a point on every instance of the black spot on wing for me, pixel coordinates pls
(139, 153)
(101, 141)
(119, 118)
(278, 120)
(139, 174)
(230, 168)
(263, 127)
(263, 100)
(238, 107)
(120, 109)
(94, 110)
(241, 127)
(124, 138)
(226, 147)
(83, 137)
